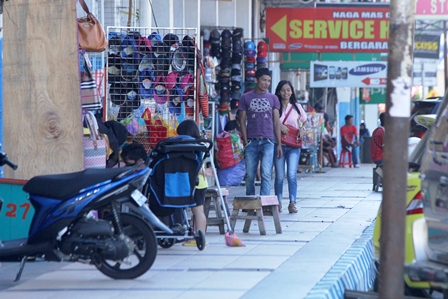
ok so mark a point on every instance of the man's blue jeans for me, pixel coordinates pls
(290, 157)
(263, 151)
(352, 149)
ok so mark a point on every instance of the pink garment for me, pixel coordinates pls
(293, 117)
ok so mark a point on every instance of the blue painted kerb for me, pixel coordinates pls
(353, 271)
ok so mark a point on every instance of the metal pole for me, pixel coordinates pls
(398, 106)
(423, 82)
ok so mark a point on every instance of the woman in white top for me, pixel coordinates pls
(291, 113)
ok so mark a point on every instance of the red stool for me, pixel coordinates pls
(345, 158)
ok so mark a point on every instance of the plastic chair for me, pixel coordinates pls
(345, 158)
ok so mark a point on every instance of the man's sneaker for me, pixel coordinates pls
(356, 165)
(292, 207)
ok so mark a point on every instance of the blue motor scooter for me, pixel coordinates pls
(118, 239)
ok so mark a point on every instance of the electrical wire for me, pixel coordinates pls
(153, 15)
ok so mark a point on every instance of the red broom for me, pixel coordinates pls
(231, 239)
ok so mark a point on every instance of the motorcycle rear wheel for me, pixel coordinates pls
(143, 256)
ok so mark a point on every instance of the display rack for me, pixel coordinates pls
(151, 72)
(311, 140)
(222, 53)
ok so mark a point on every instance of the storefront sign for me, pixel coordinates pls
(424, 72)
(372, 96)
(427, 46)
(354, 29)
(431, 9)
(368, 74)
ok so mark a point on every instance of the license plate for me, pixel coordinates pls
(138, 197)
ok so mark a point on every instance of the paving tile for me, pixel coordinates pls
(237, 280)
(313, 240)
(32, 294)
(276, 248)
(257, 262)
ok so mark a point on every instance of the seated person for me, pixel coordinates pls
(328, 144)
(116, 133)
(350, 138)
(132, 153)
(377, 142)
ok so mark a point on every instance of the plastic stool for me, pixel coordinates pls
(377, 177)
(345, 158)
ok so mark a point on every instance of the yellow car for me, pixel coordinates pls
(414, 211)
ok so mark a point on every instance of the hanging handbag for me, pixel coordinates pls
(91, 36)
(202, 92)
(293, 138)
(95, 145)
(90, 96)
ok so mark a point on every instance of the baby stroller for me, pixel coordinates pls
(175, 164)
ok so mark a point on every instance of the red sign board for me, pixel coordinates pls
(352, 30)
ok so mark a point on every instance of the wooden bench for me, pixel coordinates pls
(256, 208)
(212, 200)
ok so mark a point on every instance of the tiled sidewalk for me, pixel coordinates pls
(334, 210)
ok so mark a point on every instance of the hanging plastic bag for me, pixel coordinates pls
(230, 149)
(147, 118)
(132, 126)
(141, 126)
(181, 116)
(157, 131)
(172, 127)
(237, 145)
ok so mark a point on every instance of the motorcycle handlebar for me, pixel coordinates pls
(4, 160)
(12, 165)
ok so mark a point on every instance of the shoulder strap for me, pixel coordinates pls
(287, 114)
(93, 125)
(84, 6)
(297, 109)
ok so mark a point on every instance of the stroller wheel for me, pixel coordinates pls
(166, 242)
(200, 239)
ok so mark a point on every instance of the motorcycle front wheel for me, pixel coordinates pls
(143, 256)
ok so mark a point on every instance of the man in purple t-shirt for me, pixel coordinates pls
(261, 111)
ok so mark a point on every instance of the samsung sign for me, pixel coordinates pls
(367, 69)
(367, 74)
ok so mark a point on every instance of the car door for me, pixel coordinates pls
(435, 187)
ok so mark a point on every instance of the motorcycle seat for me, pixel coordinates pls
(64, 186)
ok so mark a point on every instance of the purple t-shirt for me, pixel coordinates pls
(259, 107)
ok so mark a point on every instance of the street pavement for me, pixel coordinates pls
(323, 248)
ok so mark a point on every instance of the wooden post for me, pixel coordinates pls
(398, 106)
(41, 100)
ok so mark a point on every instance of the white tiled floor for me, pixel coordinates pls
(312, 241)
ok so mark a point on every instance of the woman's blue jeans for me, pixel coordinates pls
(290, 157)
(263, 151)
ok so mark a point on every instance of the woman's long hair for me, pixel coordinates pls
(292, 98)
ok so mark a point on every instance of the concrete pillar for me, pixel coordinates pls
(162, 9)
(145, 17)
(371, 117)
(274, 66)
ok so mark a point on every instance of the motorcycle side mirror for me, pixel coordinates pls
(443, 181)
(434, 152)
